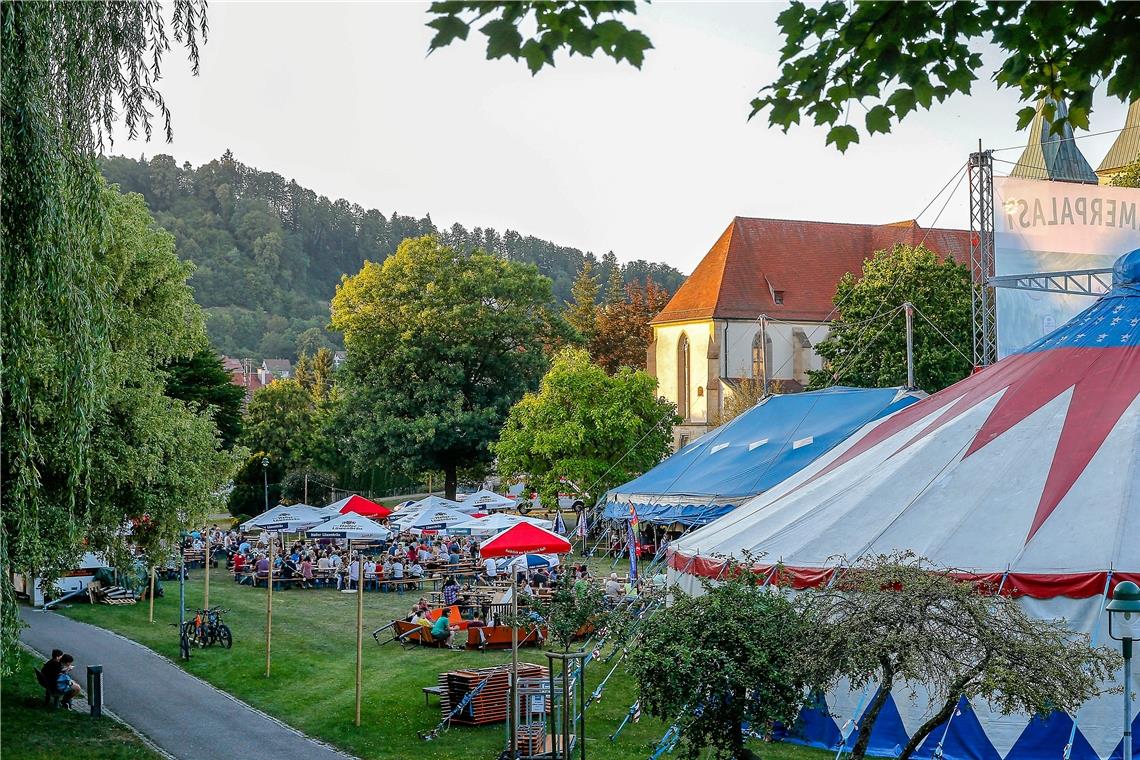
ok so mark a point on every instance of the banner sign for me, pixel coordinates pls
(1042, 226)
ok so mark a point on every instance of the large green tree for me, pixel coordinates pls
(889, 620)
(867, 344)
(203, 382)
(582, 312)
(889, 58)
(440, 346)
(155, 456)
(715, 662)
(596, 429)
(284, 421)
(70, 71)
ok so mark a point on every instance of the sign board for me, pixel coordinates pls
(1043, 226)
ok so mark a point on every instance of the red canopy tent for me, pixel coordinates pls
(524, 538)
(364, 507)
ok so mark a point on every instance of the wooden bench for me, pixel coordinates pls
(429, 690)
(414, 633)
(52, 695)
(486, 637)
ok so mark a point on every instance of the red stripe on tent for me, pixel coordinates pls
(1035, 585)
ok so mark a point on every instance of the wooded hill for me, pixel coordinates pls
(269, 252)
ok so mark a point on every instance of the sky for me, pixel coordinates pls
(651, 164)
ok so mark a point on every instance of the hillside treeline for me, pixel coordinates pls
(268, 252)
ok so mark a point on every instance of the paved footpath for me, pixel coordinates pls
(183, 715)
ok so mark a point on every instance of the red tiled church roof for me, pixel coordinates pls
(754, 258)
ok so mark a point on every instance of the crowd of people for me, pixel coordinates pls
(313, 562)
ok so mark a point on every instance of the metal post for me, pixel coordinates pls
(95, 690)
(269, 609)
(152, 592)
(567, 709)
(1127, 649)
(908, 307)
(265, 477)
(307, 495)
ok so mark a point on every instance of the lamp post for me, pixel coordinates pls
(265, 477)
(1124, 626)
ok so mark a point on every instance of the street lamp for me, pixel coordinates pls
(265, 476)
(1124, 626)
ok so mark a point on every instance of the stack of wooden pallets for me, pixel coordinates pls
(490, 704)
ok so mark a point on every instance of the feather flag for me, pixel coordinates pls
(631, 538)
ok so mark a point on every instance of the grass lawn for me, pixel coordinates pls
(33, 731)
(311, 686)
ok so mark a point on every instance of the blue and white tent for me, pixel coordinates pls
(758, 449)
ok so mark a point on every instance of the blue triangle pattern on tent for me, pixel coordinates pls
(1118, 753)
(1045, 737)
(888, 735)
(966, 739)
(815, 727)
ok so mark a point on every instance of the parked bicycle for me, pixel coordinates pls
(206, 629)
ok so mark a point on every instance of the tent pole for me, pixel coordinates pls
(269, 609)
(359, 621)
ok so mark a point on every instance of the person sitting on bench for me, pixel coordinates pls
(442, 630)
(55, 671)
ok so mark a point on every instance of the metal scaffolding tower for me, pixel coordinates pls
(983, 307)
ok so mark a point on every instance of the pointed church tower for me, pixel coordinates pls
(1126, 149)
(1050, 156)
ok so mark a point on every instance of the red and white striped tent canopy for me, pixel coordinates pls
(1026, 474)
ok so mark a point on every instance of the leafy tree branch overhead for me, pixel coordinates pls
(887, 58)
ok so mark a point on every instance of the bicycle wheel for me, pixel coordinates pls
(223, 636)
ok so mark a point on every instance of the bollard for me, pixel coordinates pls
(95, 689)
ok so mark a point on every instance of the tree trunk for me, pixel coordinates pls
(946, 711)
(868, 723)
(450, 481)
(924, 730)
(737, 730)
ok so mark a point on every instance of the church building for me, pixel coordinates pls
(758, 303)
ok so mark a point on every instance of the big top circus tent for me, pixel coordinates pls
(1026, 474)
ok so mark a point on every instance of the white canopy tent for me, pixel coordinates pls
(288, 518)
(439, 519)
(438, 502)
(488, 501)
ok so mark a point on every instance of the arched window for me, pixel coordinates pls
(683, 376)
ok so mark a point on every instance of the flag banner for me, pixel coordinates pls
(631, 539)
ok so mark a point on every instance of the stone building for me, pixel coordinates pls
(759, 302)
